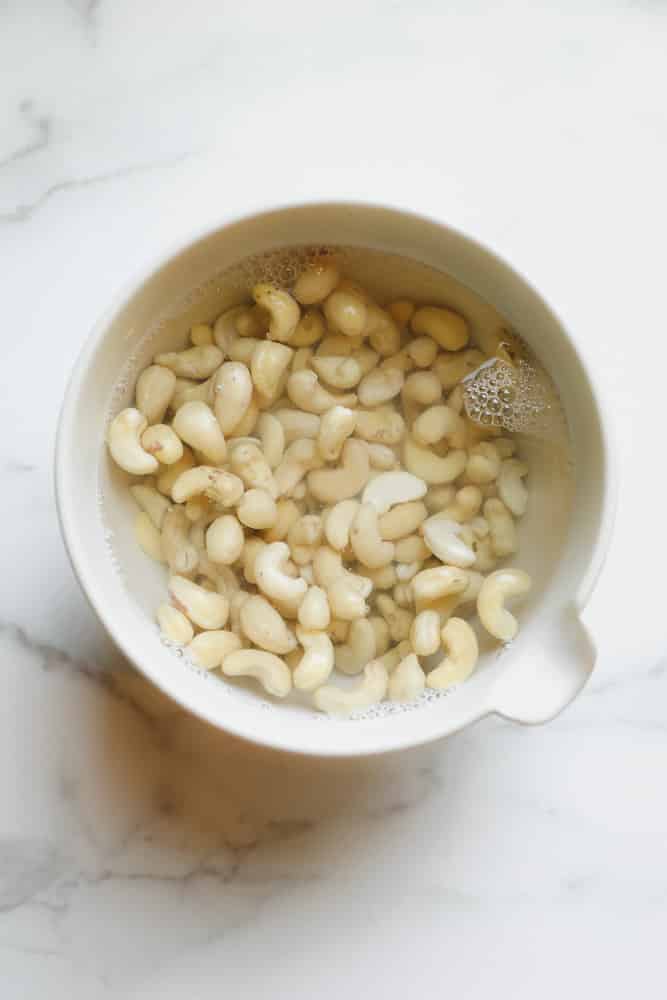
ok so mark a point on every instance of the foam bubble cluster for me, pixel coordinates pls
(519, 396)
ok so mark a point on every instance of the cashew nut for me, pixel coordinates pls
(189, 391)
(232, 394)
(511, 489)
(346, 601)
(203, 607)
(174, 626)
(253, 322)
(194, 362)
(305, 391)
(316, 281)
(402, 520)
(272, 437)
(181, 555)
(257, 509)
(407, 681)
(439, 497)
(224, 540)
(248, 462)
(382, 332)
(309, 329)
(425, 633)
(358, 650)
(495, 590)
(331, 485)
(336, 425)
(337, 523)
(366, 541)
(379, 386)
(225, 330)
(160, 441)
(431, 585)
(423, 351)
(371, 689)
(502, 530)
(391, 488)
(271, 577)
(124, 438)
(148, 537)
(438, 422)
(398, 619)
(466, 504)
(151, 502)
(218, 485)
(446, 327)
(452, 368)
(284, 312)
(341, 373)
(317, 662)
(265, 627)
(381, 456)
(298, 424)
(242, 349)
(168, 476)
(383, 425)
(460, 641)
(433, 469)
(154, 389)
(303, 538)
(300, 457)
(314, 613)
(411, 549)
(268, 369)
(196, 424)
(287, 513)
(483, 463)
(346, 312)
(442, 537)
(208, 649)
(267, 668)
(423, 388)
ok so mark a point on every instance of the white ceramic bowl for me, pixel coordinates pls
(562, 543)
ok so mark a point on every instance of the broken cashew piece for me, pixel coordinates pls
(495, 590)
(460, 641)
(267, 668)
(124, 438)
(371, 689)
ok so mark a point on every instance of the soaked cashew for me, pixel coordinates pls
(246, 424)
(317, 662)
(345, 481)
(196, 424)
(124, 439)
(407, 681)
(366, 541)
(336, 426)
(425, 633)
(371, 689)
(148, 537)
(381, 456)
(174, 626)
(391, 488)
(170, 473)
(272, 579)
(384, 578)
(431, 468)
(383, 425)
(338, 522)
(265, 627)
(287, 512)
(379, 386)
(160, 441)
(232, 394)
(444, 326)
(225, 331)
(423, 388)
(154, 389)
(402, 520)
(430, 585)
(451, 368)
(218, 485)
(282, 309)
(465, 505)
(204, 608)
(346, 312)
(257, 509)
(305, 391)
(224, 540)
(346, 601)
(181, 555)
(511, 489)
(441, 535)
(483, 463)
(189, 391)
(151, 502)
(439, 497)
(411, 549)
(495, 590)
(341, 373)
(298, 424)
(272, 437)
(300, 457)
(303, 538)
(194, 362)
(208, 649)
(316, 282)
(243, 349)
(267, 668)
(437, 423)
(423, 351)
(253, 322)
(248, 462)
(398, 619)
(381, 633)
(460, 641)
(359, 649)
(314, 613)
(309, 329)
(383, 334)
(404, 573)
(502, 530)
(268, 369)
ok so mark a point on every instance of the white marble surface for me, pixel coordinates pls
(144, 855)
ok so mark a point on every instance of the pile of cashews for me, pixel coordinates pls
(320, 497)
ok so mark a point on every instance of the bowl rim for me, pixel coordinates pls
(65, 499)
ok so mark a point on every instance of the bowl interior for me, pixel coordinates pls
(559, 535)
